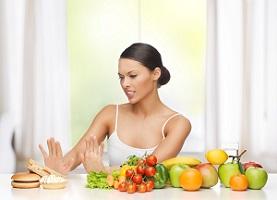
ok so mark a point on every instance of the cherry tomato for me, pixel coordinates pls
(131, 188)
(122, 187)
(149, 185)
(129, 173)
(137, 179)
(151, 160)
(142, 188)
(150, 171)
(140, 169)
(141, 162)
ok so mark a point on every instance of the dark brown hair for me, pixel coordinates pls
(148, 56)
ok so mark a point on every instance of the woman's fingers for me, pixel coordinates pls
(95, 145)
(59, 151)
(88, 146)
(101, 149)
(53, 146)
(50, 150)
(44, 153)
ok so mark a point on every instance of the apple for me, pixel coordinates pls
(257, 177)
(209, 174)
(226, 171)
(175, 172)
(251, 164)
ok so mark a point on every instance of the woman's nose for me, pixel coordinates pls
(125, 83)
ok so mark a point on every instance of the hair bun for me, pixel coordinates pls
(165, 76)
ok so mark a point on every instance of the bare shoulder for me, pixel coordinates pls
(179, 124)
(108, 109)
(107, 113)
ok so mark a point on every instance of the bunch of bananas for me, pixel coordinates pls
(188, 160)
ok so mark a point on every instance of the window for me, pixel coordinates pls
(98, 31)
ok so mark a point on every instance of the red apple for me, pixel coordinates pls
(251, 164)
(209, 174)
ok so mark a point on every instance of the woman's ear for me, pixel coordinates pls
(156, 73)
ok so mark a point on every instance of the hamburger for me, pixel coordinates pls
(25, 180)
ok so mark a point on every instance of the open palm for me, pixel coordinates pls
(54, 159)
(92, 156)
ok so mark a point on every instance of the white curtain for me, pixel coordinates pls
(35, 88)
(241, 79)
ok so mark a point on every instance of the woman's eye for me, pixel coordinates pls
(120, 77)
(133, 76)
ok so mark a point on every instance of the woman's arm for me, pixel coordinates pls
(93, 156)
(99, 128)
(177, 130)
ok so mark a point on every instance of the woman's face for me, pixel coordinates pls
(136, 80)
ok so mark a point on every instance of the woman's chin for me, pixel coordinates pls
(132, 101)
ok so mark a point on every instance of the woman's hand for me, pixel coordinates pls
(92, 156)
(55, 159)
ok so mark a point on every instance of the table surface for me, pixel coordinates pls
(76, 190)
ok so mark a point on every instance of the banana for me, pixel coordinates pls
(188, 160)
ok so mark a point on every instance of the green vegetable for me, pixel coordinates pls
(97, 180)
(161, 176)
(116, 173)
(132, 160)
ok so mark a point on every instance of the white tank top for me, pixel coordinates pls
(118, 151)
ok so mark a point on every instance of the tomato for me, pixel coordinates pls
(137, 179)
(151, 160)
(122, 187)
(141, 162)
(131, 188)
(140, 169)
(142, 188)
(150, 171)
(149, 185)
(129, 173)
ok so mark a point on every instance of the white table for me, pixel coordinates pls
(76, 190)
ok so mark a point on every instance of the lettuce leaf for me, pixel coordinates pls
(97, 180)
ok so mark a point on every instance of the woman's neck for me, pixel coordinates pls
(148, 106)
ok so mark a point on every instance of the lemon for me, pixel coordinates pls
(216, 156)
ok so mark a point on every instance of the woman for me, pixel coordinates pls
(144, 124)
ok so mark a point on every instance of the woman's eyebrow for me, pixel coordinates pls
(127, 72)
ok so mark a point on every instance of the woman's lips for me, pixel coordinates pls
(130, 94)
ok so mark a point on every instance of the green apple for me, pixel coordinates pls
(257, 177)
(226, 171)
(175, 172)
(209, 174)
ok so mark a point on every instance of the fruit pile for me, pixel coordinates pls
(191, 175)
(240, 177)
(145, 174)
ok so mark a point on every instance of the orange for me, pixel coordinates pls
(239, 182)
(191, 179)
